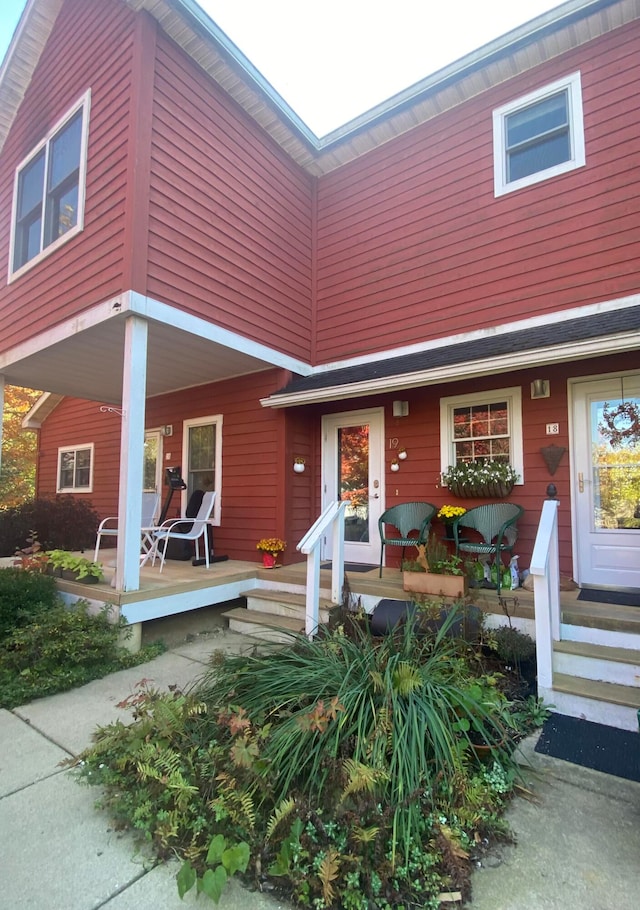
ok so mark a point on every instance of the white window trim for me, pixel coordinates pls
(75, 448)
(85, 103)
(513, 397)
(573, 84)
(197, 422)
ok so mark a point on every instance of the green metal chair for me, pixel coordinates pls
(406, 517)
(496, 523)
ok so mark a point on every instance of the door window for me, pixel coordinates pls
(353, 480)
(615, 454)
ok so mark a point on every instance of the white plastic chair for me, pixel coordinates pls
(109, 526)
(169, 531)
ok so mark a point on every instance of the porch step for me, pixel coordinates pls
(284, 603)
(607, 703)
(266, 626)
(619, 666)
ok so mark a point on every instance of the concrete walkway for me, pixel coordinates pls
(578, 842)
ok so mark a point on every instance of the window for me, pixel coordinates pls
(48, 202)
(483, 426)
(202, 456)
(538, 136)
(75, 469)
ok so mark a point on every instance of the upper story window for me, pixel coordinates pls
(482, 426)
(538, 136)
(48, 198)
(75, 469)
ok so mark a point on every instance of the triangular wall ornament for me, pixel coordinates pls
(552, 457)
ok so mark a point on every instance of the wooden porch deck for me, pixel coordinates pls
(182, 587)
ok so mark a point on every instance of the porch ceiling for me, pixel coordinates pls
(89, 364)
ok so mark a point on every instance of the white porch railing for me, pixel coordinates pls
(332, 519)
(545, 568)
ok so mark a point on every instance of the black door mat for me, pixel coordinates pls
(352, 566)
(591, 745)
(603, 596)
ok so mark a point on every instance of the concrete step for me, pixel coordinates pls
(284, 603)
(266, 626)
(601, 702)
(597, 662)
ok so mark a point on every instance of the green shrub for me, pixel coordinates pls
(23, 596)
(60, 522)
(344, 765)
(60, 649)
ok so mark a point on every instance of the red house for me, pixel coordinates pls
(196, 280)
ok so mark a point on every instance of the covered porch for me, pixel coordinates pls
(182, 587)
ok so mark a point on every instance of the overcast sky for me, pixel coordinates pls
(336, 59)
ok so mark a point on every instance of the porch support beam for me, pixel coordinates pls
(134, 386)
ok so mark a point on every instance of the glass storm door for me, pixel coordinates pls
(606, 482)
(352, 471)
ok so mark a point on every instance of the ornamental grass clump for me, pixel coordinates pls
(340, 770)
(399, 708)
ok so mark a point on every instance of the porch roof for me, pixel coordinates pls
(499, 350)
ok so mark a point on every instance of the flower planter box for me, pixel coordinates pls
(492, 490)
(430, 583)
(69, 575)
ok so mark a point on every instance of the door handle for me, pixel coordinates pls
(581, 482)
(374, 496)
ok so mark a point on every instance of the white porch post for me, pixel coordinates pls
(134, 386)
(1, 414)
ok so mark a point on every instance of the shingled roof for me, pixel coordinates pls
(554, 341)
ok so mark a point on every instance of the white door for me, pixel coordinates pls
(606, 481)
(352, 469)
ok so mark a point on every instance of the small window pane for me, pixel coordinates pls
(30, 186)
(64, 213)
(532, 159)
(65, 152)
(67, 465)
(83, 467)
(538, 119)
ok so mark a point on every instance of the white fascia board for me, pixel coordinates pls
(455, 372)
(186, 322)
(39, 412)
(132, 302)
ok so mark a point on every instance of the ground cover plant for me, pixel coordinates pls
(343, 771)
(48, 647)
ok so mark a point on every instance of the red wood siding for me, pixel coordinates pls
(230, 215)
(262, 496)
(412, 244)
(74, 423)
(88, 268)
(257, 497)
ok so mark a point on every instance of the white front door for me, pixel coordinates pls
(606, 481)
(352, 469)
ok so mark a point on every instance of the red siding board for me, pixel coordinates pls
(230, 229)
(88, 268)
(413, 227)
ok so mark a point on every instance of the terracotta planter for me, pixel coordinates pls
(430, 583)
